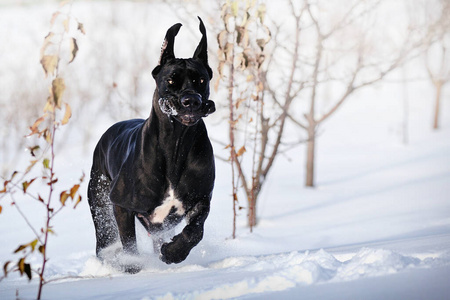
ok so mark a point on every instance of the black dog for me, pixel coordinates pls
(159, 170)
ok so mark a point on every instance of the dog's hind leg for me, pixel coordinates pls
(106, 230)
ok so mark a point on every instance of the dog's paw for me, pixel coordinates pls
(171, 253)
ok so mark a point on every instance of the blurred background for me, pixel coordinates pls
(318, 86)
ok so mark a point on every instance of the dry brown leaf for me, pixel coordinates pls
(49, 107)
(73, 49)
(67, 114)
(222, 39)
(81, 28)
(66, 25)
(239, 101)
(241, 151)
(49, 63)
(34, 127)
(58, 88)
(47, 42)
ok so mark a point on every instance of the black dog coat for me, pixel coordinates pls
(160, 170)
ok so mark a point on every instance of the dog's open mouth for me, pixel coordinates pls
(188, 119)
(185, 116)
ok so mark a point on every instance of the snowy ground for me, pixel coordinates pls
(377, 226)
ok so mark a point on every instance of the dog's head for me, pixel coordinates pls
(183, 84)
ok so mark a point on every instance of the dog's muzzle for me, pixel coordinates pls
(166, 107)
(188, 110)
(191, 102)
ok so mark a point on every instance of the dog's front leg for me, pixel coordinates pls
(127, 231)
(178, 249)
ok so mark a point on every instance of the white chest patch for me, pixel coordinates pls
(162, 211)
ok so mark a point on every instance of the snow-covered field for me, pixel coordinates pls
(377, 226)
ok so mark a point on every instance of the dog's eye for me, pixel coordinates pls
(170, 81)
(202, 80)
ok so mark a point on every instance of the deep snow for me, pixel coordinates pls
(377, 226)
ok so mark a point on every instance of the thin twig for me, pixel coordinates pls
(25, 218)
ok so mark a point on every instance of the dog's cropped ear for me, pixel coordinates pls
(167, 47)
(201, 52)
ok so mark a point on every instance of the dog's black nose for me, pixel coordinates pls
(191, 101)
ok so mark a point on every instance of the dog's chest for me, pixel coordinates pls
(170, 205)
(168, 211)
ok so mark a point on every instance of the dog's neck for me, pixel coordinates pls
(170, 136)
(169, 129)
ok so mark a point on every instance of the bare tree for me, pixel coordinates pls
(293, 72)
(437, 58)
(241, 57)
(345, 58)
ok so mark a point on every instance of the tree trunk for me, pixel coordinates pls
(438, 86)
(405, 126)
(252, 214)
(252, 198)
(310, 156)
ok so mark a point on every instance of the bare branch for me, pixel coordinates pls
(288, 97)
(347, 19)
(26, 219)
